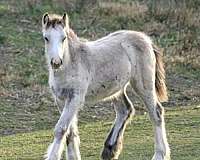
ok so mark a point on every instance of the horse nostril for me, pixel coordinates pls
(52, 62)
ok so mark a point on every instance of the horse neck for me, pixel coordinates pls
(68, 47)
(74, 49)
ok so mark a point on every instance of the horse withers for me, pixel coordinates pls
(86, 72)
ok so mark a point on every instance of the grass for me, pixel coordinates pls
(27, 111)
(183, 133)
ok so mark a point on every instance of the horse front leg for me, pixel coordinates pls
(63, 125)
(73, 142)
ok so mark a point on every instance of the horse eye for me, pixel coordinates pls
(46, 39)
(63, 39)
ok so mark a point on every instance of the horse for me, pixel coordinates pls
(87, 72)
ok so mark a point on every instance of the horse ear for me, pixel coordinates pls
(45, 18)
(65, 19)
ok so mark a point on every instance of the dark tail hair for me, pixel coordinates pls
(161, 89)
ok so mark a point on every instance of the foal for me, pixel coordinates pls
(88, 72)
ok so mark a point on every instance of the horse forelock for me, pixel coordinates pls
(54, 20)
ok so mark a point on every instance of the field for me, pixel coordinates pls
(27, 110)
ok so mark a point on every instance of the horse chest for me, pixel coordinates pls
(63, 93)
(61, 88)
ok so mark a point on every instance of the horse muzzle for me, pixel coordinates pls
(56, 63)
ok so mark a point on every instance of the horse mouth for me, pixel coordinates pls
(55, 66)
(57, 69)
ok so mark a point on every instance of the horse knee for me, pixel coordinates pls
(59, 133)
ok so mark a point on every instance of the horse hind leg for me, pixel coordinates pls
(114, 142)
(162, 151)
(156, 114)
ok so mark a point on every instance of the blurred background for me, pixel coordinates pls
(26, 105)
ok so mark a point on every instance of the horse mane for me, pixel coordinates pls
(72, 35)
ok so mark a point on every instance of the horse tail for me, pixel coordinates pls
(161, 89)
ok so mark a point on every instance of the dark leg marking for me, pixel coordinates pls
(110, 150)
(68, 138)
(159, 111)
(67, 92)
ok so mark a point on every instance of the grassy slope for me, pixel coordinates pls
(183, 131)
(25, 103)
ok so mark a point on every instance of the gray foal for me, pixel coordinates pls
(91, 71)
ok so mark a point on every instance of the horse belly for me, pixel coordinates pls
(108, 80)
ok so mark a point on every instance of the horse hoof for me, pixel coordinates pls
(107, 153)
(161, 156)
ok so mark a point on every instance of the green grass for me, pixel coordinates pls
(183, 133)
